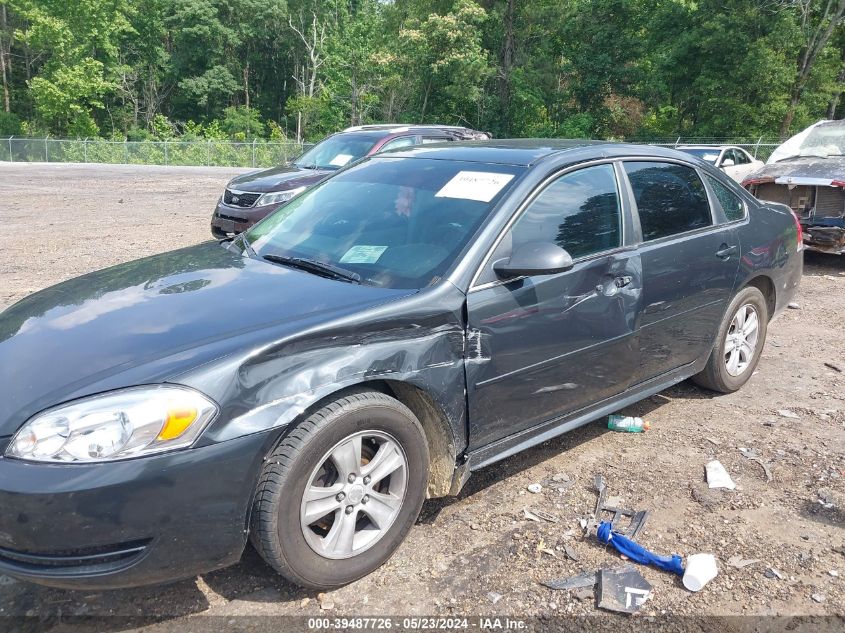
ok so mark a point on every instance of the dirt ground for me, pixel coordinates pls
(478, 554)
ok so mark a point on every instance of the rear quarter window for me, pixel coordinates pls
(731, 204)
(671, 199)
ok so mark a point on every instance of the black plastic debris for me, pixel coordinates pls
(586, 579)
(638, 519)
(622, 589)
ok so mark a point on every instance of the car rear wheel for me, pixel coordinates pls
(341, 491)
(738, 345)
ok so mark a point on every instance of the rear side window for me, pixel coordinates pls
(731, 204)
(671, 198)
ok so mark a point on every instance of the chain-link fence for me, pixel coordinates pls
(256, 153)
(760, 148)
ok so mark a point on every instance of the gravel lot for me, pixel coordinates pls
(63, 220)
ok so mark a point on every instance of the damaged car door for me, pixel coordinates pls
(690, 260)
(545, 343)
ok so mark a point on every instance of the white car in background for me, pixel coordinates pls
(734, 161)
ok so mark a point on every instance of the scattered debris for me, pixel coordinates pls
(535, 488)
(717, 476)
(792, 305)
(826, 498)
(571, 554)
(586, 579)
(834, 367)
(700, 569)
(771, 572)
(834, 573)
(840, 550)
(818, 597)
(304, 602)
(541, 547)
(603, 504)
(786, 413)
(713, 441)
(623, 589)
(536, 514)
(754, 455)
(739, 562)
(636, 552)
(494, 597)
(627, 424)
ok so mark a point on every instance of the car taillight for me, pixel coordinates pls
(837, 183)
(799, 232)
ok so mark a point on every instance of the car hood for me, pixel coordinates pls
(810, 170)
(278, 179)
(146, 320)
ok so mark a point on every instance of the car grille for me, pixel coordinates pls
(830, 202)
(239, 198)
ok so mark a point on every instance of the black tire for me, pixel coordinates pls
(276, 531)
(715, 374)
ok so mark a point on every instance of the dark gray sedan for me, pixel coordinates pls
(415, 317)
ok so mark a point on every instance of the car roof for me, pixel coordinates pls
(387, 129)
(526, 152)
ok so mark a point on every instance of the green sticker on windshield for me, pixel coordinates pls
(362, 254)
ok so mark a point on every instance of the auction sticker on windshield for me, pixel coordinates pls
(474, 185)
(362, 254)
(340, 160)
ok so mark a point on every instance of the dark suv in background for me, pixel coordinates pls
(253, 196)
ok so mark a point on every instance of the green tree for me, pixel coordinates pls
(78, 43)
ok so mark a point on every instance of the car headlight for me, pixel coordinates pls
(117, 425)
(277, 197)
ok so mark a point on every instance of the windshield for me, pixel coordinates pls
(338, 150)
(826, 138)
(706, 154)
(396, 222)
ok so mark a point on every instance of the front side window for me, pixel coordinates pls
(396, 222)
(731, 204)
(580, 212)
(671, 198)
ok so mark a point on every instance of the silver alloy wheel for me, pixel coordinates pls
(354, 494)
(741, 339)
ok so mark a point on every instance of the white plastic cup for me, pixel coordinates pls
(700, 569)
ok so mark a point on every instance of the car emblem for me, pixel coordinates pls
(235, 199)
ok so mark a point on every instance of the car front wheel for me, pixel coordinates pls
(341, 491)
(738, 345)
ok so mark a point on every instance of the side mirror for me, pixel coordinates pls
(728, 162)
(534, 258)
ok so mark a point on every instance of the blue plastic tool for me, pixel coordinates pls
(637, 552)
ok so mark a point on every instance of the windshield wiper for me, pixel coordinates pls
(247, 245)
(313, 266)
